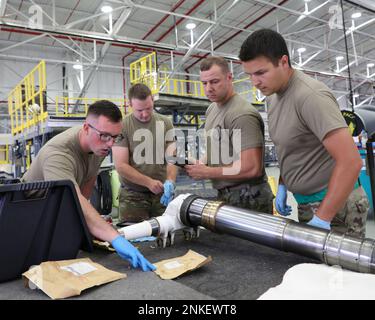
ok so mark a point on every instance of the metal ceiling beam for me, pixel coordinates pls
(203, 36)
(3, 5)
(23, 42)
(84, 34)
(213, 49)
(295, 12)
(17, 12)
(116, 28)
(138, 6)
(48, 60)
(80, 54)
(364, 4)
(91, 17)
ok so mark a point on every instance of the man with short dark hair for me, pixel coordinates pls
(319, 162)
(147, 181)
(76, 154)
(235, 143)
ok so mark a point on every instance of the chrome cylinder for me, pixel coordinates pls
(330, 247)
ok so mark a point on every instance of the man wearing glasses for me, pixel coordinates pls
(147, 182)
(76, 155)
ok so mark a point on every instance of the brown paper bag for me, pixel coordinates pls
(172, 268)
(67, 278)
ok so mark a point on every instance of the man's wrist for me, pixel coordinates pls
(171, 181)
(322, 218)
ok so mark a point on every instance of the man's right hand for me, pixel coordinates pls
(128, 252)
(155, 186)
(281, 197)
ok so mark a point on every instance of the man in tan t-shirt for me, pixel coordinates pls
(319, 162)
(147, 181)
(76, 155)
(235, 143)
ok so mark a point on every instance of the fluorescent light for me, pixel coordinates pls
(106, 9)
(356, 15)
(370, 65)
(77, 66)
(190, 26)
(301, 50)
(356, 95)
(339, 58)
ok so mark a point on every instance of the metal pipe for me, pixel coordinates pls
(187, 212)
(330, 247)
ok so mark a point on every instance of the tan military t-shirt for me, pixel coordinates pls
(63, 159)
(147, 145)
(237, 118)
(298, 120)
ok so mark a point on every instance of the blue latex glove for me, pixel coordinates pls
(280, 201)
(319, 223)
(168, 193)
(128, 252)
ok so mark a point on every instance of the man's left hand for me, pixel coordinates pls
(168, 193)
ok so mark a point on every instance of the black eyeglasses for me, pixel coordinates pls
(106, 137)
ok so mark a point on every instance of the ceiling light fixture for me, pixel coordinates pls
(339, 58)
(190, 26)
(356, 15)
(368, 69)
(301, 50)
(106, 9)
(77, 66)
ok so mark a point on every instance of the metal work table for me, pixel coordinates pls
(240, 270)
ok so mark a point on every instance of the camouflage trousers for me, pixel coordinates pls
(350, 219)
(254, 197)
(138, 206)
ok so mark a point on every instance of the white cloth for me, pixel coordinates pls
(310, 281)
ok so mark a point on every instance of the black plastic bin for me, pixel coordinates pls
(39, 221)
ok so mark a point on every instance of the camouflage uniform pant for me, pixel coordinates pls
(138, 206)
(350, 219)
(254, 197)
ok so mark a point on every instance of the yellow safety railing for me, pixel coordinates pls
(4, 151)
(244, 87)
(144, 70)
(64, 106)
(181, 87)
(27, 101)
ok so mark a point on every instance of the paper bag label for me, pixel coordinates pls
(172, 265)
(79, 268)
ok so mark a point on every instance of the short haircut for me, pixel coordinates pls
(264, 42)
(207, 64)
(139, 91)
(105, 108)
